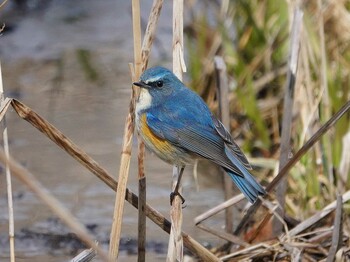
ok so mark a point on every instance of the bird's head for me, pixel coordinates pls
(157, 84)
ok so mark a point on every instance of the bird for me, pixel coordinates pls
(176, 125)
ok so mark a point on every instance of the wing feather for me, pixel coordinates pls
(222, 131)
(197, 138)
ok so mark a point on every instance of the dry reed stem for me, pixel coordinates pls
(141, 239)
(285, 146)
(141, 243)
(175, 247)
(64, 214)
(292, 161)
(141, 56)
(4, 105)
(337, 236)
(150, 32)
(145, 53)
(211, 212)
(224, 235)
(2, 5)
(224, 113)
(127, 141)
(121, 187)
(74, 151)
(248, 252)
(84, 256)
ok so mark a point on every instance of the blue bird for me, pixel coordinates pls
(177, 125)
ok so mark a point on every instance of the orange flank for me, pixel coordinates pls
(160, 145)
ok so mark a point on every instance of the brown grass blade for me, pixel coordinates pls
(73, 150)
(28, 179)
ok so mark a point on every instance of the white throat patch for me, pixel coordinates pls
(144, 102)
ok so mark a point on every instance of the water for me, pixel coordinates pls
(68, 61)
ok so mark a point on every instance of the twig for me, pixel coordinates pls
(284, 171)
(224, 112)
(74, 151)
(211, 212)
(288, 112)
(28, 179)
(338, 230)
(4, 105)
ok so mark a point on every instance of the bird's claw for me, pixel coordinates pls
(172, 197)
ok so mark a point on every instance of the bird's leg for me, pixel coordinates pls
(176, 190)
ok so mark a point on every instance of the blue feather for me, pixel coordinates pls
(246, 183)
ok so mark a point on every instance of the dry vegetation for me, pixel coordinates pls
(253, 38)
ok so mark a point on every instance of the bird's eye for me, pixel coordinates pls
(159, 83)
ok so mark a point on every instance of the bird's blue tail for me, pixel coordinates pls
(246, 183)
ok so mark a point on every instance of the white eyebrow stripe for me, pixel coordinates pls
(154, 79)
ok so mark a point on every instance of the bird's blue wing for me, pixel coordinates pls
(191, 129)
(232, 146)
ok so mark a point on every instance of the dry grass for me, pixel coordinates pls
(315, 164)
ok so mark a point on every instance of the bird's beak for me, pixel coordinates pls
(141, 84)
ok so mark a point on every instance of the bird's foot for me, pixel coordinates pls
(172, 197)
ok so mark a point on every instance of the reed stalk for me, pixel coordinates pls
(127, 141)
(285, 147)
(145, 53)
(8, 175)
(175, 247)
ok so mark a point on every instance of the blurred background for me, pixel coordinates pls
(68, 61)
